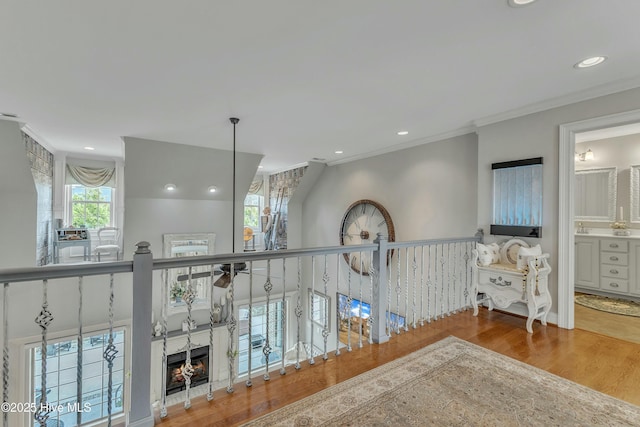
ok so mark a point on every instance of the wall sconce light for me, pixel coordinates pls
(170, 187)
(587, 155)
(212, 189)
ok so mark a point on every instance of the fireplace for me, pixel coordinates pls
(175, 362)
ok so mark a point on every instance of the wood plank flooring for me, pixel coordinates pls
(602, 363)
(614, 325)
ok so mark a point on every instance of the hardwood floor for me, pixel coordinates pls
(614, 325)
(602, 363)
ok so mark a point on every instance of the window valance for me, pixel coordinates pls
(90, 177)
(256, 187)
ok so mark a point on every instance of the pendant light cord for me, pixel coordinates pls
(235, 121)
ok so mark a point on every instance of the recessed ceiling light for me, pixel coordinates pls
(403, 132)
(10, 115)
(260, 167)
(519, 3)
(212, 189)
(590, 62)
(89, 148)
(339, 152)
(170, 187)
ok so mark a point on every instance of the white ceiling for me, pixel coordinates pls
(305, 77)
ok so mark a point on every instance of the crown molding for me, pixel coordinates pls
(288, 168)
(591, 93)
(409, 144)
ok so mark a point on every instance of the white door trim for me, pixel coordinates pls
(566, 209)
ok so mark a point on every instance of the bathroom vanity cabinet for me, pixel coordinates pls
(609, 264)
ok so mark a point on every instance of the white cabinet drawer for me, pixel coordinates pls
(615, 258)
(614, 285)
(614, 271)
(614, 245)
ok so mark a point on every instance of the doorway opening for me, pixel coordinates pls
(567, 225)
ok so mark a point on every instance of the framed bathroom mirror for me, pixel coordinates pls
(635, 193)
(595, 194)
(185, 245)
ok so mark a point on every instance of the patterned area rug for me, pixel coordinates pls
(455, 383)
(611, 305)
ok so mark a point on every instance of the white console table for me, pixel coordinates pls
(503, 285)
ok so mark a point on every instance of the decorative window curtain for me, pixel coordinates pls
(257, 187)
(91, 177)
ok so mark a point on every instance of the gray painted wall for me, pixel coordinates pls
(429, 191)
(150, 211)
(18, 210)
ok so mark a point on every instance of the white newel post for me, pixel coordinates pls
(378, 308)
(140, 413)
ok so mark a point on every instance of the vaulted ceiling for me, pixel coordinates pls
(306, 78)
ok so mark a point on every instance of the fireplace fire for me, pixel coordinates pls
(175, 362)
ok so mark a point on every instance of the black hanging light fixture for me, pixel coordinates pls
(224, 280)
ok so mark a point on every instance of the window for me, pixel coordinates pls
(319, 308)
(253, 341)
(90, 207)
(62, 357)
(517, 198)
(252, 205)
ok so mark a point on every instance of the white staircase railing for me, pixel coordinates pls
(408, 285)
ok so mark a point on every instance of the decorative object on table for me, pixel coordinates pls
(185, 325)
(620, 226)
(217, 313)
(494, 390)
(157, 329)
(361, 223)
(177, 291)
(610, 305)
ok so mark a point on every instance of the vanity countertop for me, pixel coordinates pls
(635, 234)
